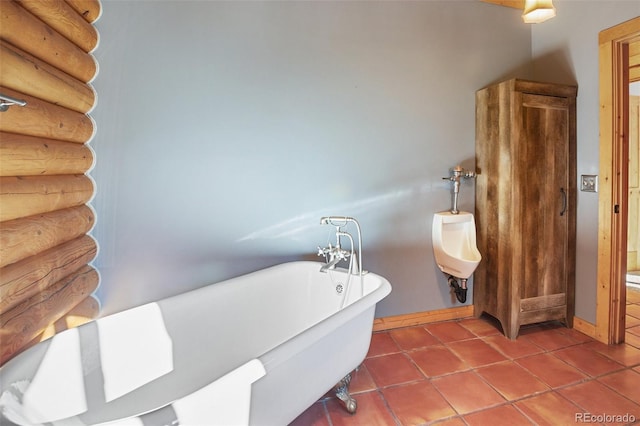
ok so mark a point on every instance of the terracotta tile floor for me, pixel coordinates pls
(466, 372)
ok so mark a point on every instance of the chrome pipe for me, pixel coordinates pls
(6, 101)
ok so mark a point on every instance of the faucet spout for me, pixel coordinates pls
(331, 265)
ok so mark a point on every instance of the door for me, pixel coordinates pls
(616, 71)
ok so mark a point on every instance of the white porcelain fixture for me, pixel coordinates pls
(454, 243)
(259, 348)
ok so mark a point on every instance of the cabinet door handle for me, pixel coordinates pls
(564, 201)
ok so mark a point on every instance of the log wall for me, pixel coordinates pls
(46, 277)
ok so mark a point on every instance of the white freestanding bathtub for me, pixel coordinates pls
(257, 349)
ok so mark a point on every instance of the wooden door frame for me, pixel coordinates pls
(614, 168)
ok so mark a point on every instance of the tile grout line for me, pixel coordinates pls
(550, 389)
(621, 358)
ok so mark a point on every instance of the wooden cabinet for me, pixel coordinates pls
(525, 203)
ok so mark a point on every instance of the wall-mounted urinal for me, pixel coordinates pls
(454, 246)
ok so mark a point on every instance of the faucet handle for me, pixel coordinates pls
(323, 251)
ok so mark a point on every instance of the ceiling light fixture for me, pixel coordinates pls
(537, 11)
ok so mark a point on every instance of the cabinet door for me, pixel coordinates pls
(543, 210)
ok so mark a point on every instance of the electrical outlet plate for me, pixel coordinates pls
(589, 183)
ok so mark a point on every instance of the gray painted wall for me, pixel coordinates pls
(227, 129)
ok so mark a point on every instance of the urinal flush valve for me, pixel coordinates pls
(454, 176)
(458, 171)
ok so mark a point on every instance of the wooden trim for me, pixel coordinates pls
(584, 327)
(537, 88)
(614, 155)
(626, 32)
(634, 61)
(418, 318)
(603, 302)
(516, 4)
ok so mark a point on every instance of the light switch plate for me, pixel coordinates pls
(589, 183)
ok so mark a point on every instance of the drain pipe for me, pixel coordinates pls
(459, 289)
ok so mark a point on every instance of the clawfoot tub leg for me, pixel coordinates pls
(342, 392)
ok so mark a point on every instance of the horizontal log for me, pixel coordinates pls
(27, 74)
(23, 30)
(30, 156)
(88, 309)
(25, 237)
(26, 321)
(90, 10)
(22, 280)
(45, 120)
(24, 196)
(60, 16)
